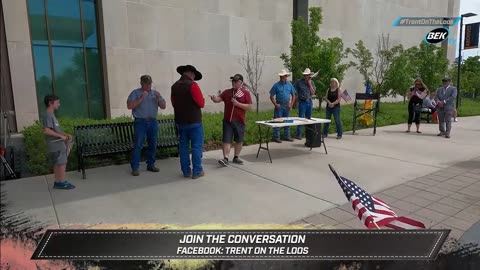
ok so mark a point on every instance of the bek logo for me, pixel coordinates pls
(437, 35)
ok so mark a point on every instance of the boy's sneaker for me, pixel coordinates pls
(63, 185)
(238, 161)
(135, 172)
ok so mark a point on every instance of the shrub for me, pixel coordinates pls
(37, 156)
(36, 147)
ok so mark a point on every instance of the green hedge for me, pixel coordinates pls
(36, 150)
(36, 147)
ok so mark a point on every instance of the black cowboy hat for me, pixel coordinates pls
(183, 69)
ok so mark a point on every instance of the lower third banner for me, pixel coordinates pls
(240, 244)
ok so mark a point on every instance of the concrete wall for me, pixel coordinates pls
(155, 36)
(21, 62)
(353, 20)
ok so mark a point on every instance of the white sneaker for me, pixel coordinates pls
(455, 120)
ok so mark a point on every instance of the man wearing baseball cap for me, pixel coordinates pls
(237, 102)
(144, 103)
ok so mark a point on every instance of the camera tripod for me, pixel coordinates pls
(9, 171)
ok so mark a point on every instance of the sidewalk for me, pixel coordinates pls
(397, 167)
(446, 199)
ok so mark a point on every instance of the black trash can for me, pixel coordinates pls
(313, 135)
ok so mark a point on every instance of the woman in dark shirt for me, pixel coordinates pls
(333, 97)
(416, 94)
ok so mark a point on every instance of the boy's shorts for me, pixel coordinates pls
(59, 157)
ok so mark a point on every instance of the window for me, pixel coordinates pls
(66, 56)
(300, 9)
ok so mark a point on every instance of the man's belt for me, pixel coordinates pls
(305, 99)
(148, 119)
(283, 102)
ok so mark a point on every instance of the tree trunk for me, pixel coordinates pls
(257, 98)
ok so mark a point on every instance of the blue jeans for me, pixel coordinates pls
(191, 134)
(148, 129)
(305, 111)
(338, 123)
(282, 112)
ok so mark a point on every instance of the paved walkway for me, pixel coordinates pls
(409, 171)
(445, 199)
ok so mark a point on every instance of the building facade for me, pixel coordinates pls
(91, 53)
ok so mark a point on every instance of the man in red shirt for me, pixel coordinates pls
(237, 101)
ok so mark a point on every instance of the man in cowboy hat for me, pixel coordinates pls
(187, 100)
(445, 98)
(282, 96)
(305, 88)
(144, 103)
(237, 101)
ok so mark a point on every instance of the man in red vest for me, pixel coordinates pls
(188, 101)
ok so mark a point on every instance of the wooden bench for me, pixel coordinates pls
(113, 138)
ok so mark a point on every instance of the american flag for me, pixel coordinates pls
(372, 211)
(239, 93)
(346, 96)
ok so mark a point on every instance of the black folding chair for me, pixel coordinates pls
(359, 110)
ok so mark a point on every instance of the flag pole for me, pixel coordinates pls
(234, 97)
(376, 225)
(231, 115)
(233, 106)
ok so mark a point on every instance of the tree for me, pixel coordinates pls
(430, 64)
(400, 74)
(374, 69)
(330, 64)
(470, 76)
(252, 62)
(365, 60)
(309, 50)
(383, 61)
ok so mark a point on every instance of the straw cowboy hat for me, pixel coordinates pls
(284, 72)
(307, 71)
